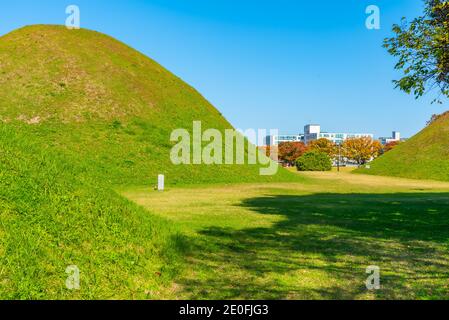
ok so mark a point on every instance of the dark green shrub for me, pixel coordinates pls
(314, 161)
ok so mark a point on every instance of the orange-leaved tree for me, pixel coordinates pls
(361, 150)
(290, 151)
(324, 145)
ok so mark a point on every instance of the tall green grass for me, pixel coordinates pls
(53, 214)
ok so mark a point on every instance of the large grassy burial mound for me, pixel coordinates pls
(82, 115)
(102, 103)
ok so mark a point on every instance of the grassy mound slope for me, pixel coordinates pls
(425, 156)
(89, 96)
(52, 215)
(80, 115)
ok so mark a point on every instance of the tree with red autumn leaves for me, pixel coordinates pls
(290, 151)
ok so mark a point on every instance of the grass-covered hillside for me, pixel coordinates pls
(53, 215)
(82, 115)
(425, 156)
(90, 97)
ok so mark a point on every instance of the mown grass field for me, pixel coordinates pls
(310, 240)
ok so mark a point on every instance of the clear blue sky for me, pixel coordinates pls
(264, 64)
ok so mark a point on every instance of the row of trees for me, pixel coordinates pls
(422, 49)
(359, 150)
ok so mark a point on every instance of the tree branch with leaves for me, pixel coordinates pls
(422, 47)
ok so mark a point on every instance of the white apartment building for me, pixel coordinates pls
(313, 132)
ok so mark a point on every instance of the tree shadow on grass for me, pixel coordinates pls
(321, 246)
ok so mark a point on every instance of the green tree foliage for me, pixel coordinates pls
(422, 47)
(314, 160)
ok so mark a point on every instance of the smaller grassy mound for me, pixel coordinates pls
(425, 156)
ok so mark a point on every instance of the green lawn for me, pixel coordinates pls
(311, 240)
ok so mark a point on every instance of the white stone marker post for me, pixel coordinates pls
(160, 182)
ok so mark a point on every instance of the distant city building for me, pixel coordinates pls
(313, 132)
(395, 138)
(276, 140)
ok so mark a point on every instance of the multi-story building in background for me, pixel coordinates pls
(396, 137)
(313, 132)
(276, 140)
